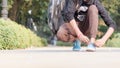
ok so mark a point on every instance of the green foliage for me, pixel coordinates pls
(114, 41)
(103, 28)
(39, 13)
(14, 36)
(113, 7)
(10, 3)
(59, 43)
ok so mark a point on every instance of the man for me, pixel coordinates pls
(81, 23)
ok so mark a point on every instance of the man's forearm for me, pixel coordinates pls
(79, 34)
(108, 33)
(75, 27)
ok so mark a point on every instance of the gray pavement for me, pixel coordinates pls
(60, 57)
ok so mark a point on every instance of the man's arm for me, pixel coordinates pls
(79, 34)
(68, 14)
(108, 33)
(108, 21)
(102, 41)
(105, 15)
(69, 10)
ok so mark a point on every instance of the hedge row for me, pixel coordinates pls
(13, 35)
(114, 41)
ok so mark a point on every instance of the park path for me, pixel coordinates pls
(60, 57)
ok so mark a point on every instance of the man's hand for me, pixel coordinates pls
(79, 34)
(83, 38)
(100, 42)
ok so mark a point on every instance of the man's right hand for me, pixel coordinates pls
(81, 37)
(84, 39)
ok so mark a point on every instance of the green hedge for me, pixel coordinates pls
(114, 41)
(14, 36)
(60, 43)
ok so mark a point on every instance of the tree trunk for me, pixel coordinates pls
(15, 8)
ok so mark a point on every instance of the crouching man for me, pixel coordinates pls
(81, 24)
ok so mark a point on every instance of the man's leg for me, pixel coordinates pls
(67, 34)
(93, 25)
(93, 22)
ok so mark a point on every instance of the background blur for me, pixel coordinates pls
(21, 11)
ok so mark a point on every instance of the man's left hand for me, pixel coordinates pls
(100, 42)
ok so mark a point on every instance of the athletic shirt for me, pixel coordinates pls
(80, 14)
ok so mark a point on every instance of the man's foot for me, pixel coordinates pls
(91, 47)
(76, 45)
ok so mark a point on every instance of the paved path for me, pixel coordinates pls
(60, 57)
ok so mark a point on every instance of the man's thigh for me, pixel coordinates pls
(66, 33)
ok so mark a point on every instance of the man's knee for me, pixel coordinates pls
(63, 35)
(60, 32)
(93, 9)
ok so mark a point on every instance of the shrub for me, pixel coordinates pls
(114, 41)
(60, 43)
(14, 36)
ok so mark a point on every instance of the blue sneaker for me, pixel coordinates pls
(91, 47)
(76, 45)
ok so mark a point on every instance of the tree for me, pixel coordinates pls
(18, 11)
(113, 7)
